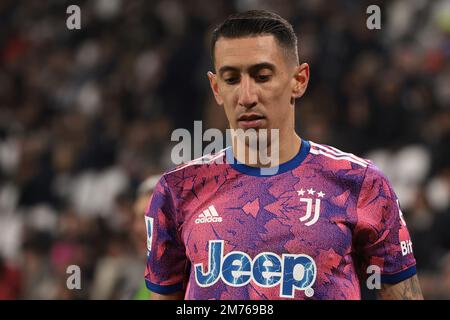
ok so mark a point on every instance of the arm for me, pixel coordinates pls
(382, 238)
(408, 289)
(167, 263)
(171, 296)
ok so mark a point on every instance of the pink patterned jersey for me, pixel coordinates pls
(317, 229)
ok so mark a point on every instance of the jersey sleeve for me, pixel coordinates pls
(166, 258)
(381, 237)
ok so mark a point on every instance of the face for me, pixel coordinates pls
(257, 83)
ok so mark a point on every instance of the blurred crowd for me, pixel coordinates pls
(86, 117)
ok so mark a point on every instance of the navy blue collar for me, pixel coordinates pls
(264, 172)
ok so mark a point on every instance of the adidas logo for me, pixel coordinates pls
(208, 215)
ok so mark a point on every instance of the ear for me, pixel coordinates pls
(301, 79)
(214, 87)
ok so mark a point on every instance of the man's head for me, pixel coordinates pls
(256, 23)
(258, 76)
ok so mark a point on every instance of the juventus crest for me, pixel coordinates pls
(312, 205)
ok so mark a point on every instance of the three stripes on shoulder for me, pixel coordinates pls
(336, 154)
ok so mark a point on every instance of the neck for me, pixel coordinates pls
(276, 153)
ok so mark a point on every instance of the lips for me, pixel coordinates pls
(250, 120)
(250, 117)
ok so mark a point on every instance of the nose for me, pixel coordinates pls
(247, 93)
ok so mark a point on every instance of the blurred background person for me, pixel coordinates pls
(119, 275)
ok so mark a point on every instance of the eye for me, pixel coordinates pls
(231, 80)
(263, 77)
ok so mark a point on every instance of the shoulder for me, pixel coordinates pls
(211, 163)
(346, 167)
(335, 158)
(182, 181)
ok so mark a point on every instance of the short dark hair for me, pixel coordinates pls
(257, 22)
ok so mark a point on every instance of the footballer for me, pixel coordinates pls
(312, 230)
